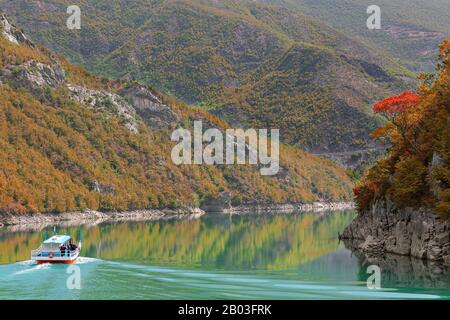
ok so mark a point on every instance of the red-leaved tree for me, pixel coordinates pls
(394, 106)
(400, 111)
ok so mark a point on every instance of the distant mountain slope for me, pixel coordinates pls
(316, 97)
(254, 64)
(410, 29)
(70, 141)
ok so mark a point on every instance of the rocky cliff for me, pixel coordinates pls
(418, 233)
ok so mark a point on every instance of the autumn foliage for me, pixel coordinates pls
(51, 155)
(416, 171)
(396, 105)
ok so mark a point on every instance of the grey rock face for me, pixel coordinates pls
(132, 105)
(111, 102)
(372, 245)
(149, 107)
(218, 204)
(409, 232)
(37, 77)
(12, 33)
(33, 75)
(102, 188)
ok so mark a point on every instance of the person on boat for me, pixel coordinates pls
(72, 247)
(63, 250)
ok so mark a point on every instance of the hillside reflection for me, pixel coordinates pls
(271, 242)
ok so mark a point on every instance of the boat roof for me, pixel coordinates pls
(57, 239)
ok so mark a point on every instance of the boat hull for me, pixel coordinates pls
(56, 261)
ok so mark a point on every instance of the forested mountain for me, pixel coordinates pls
(251, 63)
(410, 33)
(71, 141)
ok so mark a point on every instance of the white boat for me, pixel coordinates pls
(57, 249)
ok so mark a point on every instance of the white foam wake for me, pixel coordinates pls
(26, 263)
(83, 260)
(34, 268)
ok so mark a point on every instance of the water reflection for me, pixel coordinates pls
(238, 242)
(251, 257)
(402, 271)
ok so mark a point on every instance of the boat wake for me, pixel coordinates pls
(31, 266)
(130, 280)
(84, 260)
(26, 263)
(35, 267)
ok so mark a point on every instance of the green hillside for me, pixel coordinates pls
(408, 34)
(253, 64)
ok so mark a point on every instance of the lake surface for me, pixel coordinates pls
(215, 257)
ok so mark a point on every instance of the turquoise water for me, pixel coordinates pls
(216, 257)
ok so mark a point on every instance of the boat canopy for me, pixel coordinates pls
(57, 240)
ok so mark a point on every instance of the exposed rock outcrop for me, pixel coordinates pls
(110, 102)
(102, 188)
(150, 107)
(410, 232)
(218, 204)
(33, 75)
(131, 105)
(12, 33)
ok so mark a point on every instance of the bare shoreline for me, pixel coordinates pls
(38, 221)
